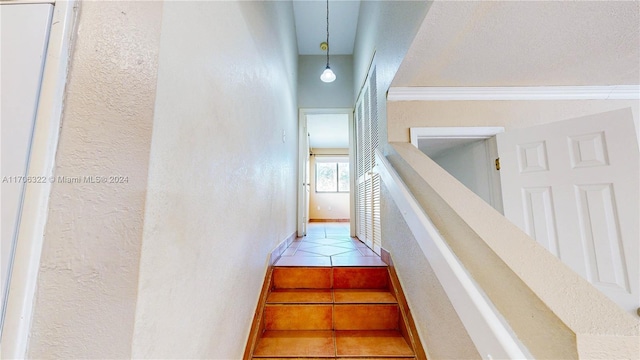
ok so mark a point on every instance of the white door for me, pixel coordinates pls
(573, 186)
(303, 176)
(367, 179)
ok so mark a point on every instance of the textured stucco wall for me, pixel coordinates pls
(87, 283)
(510, 114)
(442, 334)
(222, 183)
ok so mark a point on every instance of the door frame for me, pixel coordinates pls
(302, 132)
(487, 133)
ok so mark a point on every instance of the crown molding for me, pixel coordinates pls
(613, 92)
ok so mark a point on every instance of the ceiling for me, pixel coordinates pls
(311, 25)
(525, 43)
(328, 131)
(493, 43)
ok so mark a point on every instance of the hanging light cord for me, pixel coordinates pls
(327, 33)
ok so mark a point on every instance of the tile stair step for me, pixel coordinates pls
(372, 344)
(304, 344)
(324, 296)
(329, 344)
(300, 296)
(363, 296)
(339, 313)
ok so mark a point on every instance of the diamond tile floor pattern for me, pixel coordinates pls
(328, 244)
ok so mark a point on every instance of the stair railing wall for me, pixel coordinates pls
(490, 334)
(510, 293)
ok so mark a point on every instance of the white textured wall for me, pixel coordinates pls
(469, 164)
(525, 43)
(313, 93)
(442, 334)
(222, 183)
(87, 284)
(386, 28)
(509, 114)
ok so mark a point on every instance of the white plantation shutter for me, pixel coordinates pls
(368, 183)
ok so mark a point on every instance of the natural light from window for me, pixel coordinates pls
(332, 175)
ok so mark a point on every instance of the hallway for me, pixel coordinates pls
(328, 244)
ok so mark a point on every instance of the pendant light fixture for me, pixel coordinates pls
(327, 75)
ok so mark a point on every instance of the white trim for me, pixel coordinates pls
(475, 132)
(302, 126)
(35, 208)
(480, 133)
(613, 92)
(352, 171)
(489, 332)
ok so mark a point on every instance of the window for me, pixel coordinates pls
(332, 175)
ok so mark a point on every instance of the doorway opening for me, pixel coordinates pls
(326, 165)
(470, 154)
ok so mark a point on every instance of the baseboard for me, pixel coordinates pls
(257, 325)
(409, 331)
(277, 252)
(328, 220)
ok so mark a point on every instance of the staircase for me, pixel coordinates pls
(330, 312)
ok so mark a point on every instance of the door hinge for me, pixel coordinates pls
(498, 164)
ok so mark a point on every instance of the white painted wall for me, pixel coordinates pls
(509, 114)
(222, 182)
(87, 282)
(386, 28)
(313, 93)
(442, 333)
(469, 164)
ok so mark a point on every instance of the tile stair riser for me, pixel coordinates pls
(366, 317)
(305, 302)
(298, 317)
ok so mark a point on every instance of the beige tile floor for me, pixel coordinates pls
(328, 244)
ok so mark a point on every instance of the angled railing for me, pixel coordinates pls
(490, 334)
(514, 298)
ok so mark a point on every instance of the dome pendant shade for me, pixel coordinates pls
(327, 75)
